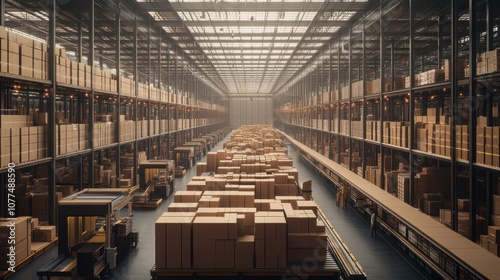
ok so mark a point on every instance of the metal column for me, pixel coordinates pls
(80, 42)
(411, 99)
(136, 87)
(51, 102)
(454, 114)
(490, 9)
(118, 89)
(2, 12)
(350, 98)
(382, 82)
(92, 92)
(473, 198)
(337, 159)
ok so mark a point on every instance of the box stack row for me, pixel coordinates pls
(21, 144)
(487, 143)
(357, 129)
(74, 73)
(344, 127)
(142, 128)
(357, 89)
(104, 133)
(28, 235)
(463, 222)
(487, 62)
(22, 237)
(396, 133)
(426, 78)
(373, 130)
(241, 220)
(71, 138)
(238, 231)
(22, 56)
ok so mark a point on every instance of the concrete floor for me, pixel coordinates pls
(377, 257)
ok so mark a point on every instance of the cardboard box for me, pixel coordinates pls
(22, 230)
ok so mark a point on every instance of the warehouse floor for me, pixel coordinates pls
(379, 260)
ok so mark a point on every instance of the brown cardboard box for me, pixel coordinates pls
(494, 230)
(44, 234)
(494, 248)
(22, 230)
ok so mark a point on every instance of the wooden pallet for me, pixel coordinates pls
(321, 270)
(150, 204)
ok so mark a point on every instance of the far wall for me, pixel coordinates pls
(243, 111)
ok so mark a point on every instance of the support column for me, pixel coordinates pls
(473, 205)
(454, 113)
(412, 4)
(136, 87)
(2, 12)
(80, 41)
(118, 89)
(51, 137)
(92, 93)
(350, 98)
(382, 82)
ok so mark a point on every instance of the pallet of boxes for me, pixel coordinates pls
(22, 238)
(240, 223)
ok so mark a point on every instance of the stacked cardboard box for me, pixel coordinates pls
(44, 234)
(495, 217)
(344, 92)
(404, 187)
(344, 127)
(373, 130)
(427, 77)
(357, 89)
(463, 222)
(173, 240)
(306, 235)
(22, 240)
(460, 67)
(40, 203)
(397, 84)
(270, 240)
(373, 87)
(104, 133)
(487, 150)
(238, 220)
(357, 128)
(486, 63)
(493, 240)
(432, 204)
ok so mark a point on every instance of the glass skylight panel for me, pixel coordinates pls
(252, 57)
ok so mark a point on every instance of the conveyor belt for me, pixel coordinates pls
(347, 262)
(294, 270)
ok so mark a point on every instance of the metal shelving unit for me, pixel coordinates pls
(433, 41)
(143, 54)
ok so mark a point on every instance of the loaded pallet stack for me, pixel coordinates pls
(247, 218)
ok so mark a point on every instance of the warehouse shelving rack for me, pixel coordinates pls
(397, 39)
(140, 52)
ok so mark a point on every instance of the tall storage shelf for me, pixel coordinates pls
(434, 133)
(139, 98)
